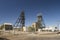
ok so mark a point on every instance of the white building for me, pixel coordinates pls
(52, 29)
(6, 26)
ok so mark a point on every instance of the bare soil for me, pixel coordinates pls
(29, 36)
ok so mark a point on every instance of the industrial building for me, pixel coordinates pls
(35, 26)
(39, 24)
(50, 29)
(6, 26)
(19, 29)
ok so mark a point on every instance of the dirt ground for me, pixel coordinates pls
(29, 36)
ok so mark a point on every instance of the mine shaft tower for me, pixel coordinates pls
(40, 21)
(20, 22)
(22, 19)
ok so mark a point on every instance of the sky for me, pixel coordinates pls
(11, 9)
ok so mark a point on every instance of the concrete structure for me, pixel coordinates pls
(39, 24)
(35, 25)
(16, 28)
(39, 30)
(24, 29)
(6, 26)
(51, 29)
(48, 29)
(19, 29)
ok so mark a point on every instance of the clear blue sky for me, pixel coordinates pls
(10, 10)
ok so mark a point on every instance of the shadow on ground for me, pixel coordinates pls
(4, 39)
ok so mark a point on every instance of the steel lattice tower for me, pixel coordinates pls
(40, 21)
(20, 21)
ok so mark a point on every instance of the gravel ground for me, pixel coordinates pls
(31, 36)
